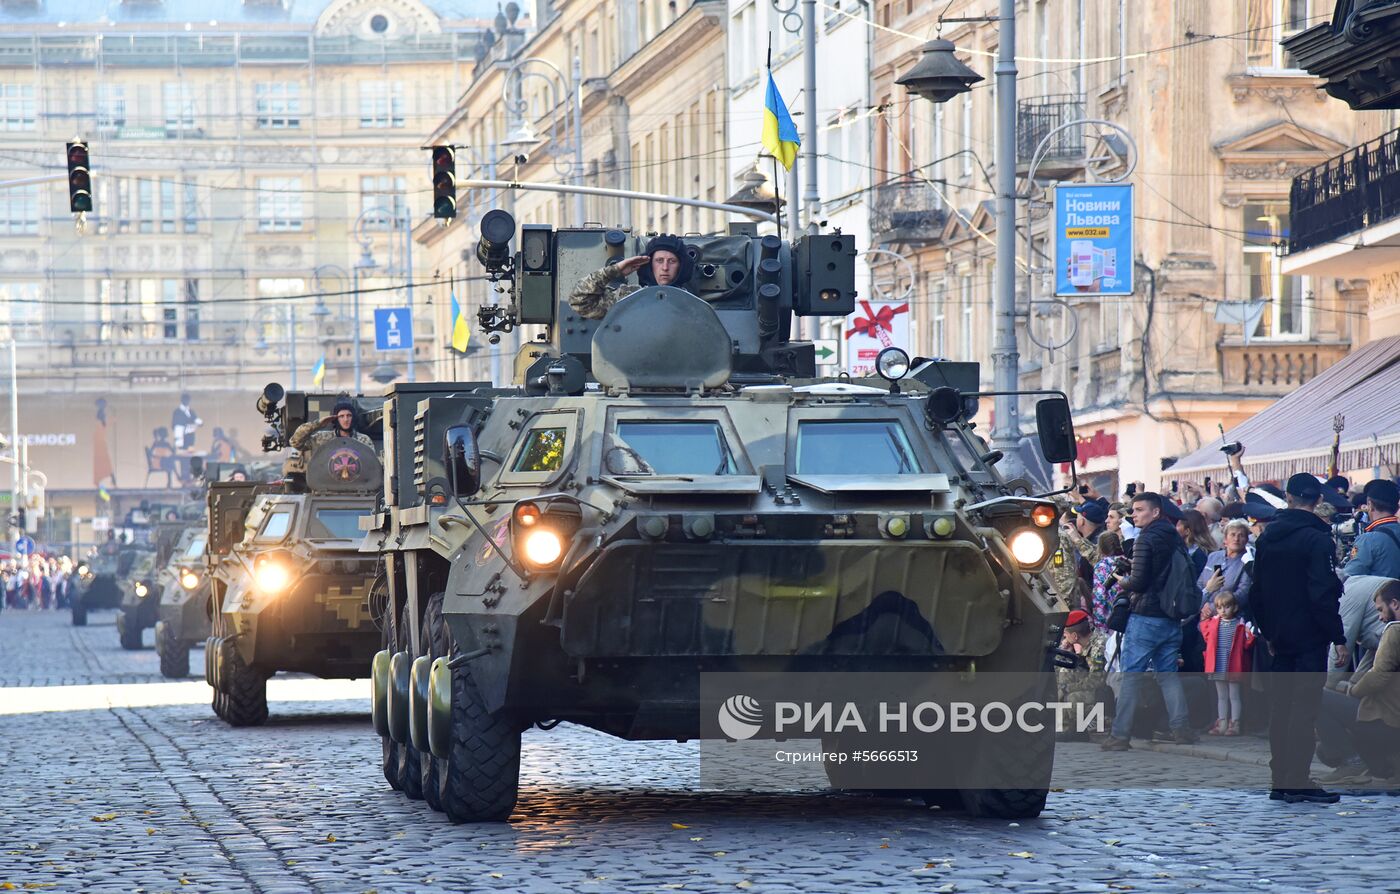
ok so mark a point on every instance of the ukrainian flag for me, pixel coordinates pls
(779, 133)
(318, 372)
(105, 494)
(461, 333)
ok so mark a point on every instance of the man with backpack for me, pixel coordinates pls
(1297, 606)
(1163, 592)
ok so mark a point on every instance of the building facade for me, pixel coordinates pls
(1215, 328)
(644, 79)
(250, 171)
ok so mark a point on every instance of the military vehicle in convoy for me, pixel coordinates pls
(183, 612)
(144, 585)
(671, 492)
(290, 589)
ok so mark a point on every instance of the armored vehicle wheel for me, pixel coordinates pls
(1024, 760)
(79, 612)
(128, 631)
(389, 763)
(407, 773)
(481, 780)
(174, 653)
(220, 705)
(246, 692)
(435, 639)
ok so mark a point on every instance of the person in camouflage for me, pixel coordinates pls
(1083, 685)
(1078, 553)
(665, 263)
(339, 424)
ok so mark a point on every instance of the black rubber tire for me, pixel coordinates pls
(128, 631)
(481, 781)
(79, 612)
(1028, 761)
(409, 769)
(247, 692)
(435, 642)
(174, 654)
(389, 760)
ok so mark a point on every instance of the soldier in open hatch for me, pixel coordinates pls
(340, 424)
(665, 263)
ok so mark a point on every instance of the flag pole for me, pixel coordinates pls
(777, 193)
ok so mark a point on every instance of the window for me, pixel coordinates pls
(190, 207)
(195, 549)
(544, 451)
(967, 318)
(381, 104)
(191, 290)
(279, 204)
(670, 448)
(17, 107)
(939, 149)
(745, 41)
(967, 135)
(938, 335)
(1285, 312)
(383, 193)
(1267, 23)
(19, 211)
(341, 524)
(278, 523)
(179, 106)
(111, 107)
(21, 311)
(854, 447)
(278, 104)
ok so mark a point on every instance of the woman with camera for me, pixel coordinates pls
(1228, 569)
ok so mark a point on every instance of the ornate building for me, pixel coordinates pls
(250, 169)
(1222, 119)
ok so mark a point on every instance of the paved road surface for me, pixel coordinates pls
(117, 780)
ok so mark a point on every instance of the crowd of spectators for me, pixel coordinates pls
(1289, 588)
(36, 582)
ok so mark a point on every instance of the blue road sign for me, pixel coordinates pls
(393, 329)
(24, 546)
(1093, 239)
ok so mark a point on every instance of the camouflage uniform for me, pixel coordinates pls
(598, 291)
(1064, 567)
(310, 435)
(1081, 685)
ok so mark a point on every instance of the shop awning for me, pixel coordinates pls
(1295, 434)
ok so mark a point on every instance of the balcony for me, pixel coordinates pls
(1358, 189)
(1276, 368)
(1036, 118)
(907, 212)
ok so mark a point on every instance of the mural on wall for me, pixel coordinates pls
(135, 440)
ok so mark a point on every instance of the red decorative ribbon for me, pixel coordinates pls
(877, 325)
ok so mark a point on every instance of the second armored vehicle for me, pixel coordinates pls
(290, 587)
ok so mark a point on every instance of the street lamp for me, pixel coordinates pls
(939, 76)
(523, 139)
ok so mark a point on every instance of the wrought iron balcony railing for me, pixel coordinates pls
(1358, 189)
(907, 211)
(1038, 116)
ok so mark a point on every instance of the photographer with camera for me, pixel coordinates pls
(1377, 549)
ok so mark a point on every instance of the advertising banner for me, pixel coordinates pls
(873, 327)
(1093, 239)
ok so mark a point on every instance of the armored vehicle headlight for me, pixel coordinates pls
(141, 590)
(1028, 547)
(543, 547)
(527, 515)
(189, 580)
(272, 576)
(1043, 516)
(892, 364)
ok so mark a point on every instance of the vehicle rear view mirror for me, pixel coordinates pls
(1056, 430)
(463, 461)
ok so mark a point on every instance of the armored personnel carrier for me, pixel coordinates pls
(107, 576)
(183, 613)
(144, 586)
(290, 588)
(671, 493)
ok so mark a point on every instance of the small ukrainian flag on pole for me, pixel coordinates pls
(779, 133)
(461, 333)
(318, 372)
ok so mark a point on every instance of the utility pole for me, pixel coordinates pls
(1006, 428)
(15, 471)
(810, 196)
(408, 277)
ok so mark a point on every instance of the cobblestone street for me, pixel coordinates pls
(117, 780)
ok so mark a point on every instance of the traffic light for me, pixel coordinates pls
(444, 182)
(79, 178)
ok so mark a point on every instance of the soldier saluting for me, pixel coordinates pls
(339, 424)
(665, 263)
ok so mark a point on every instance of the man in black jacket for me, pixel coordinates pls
(1296, 598)
(1152, 640)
